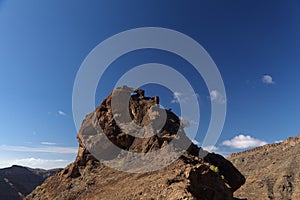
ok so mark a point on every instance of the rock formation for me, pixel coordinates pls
(126, 125)
(272, 171)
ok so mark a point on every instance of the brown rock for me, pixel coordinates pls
(231, 175)
(105, 134)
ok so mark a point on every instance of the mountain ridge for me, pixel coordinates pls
(18, 181)
(284, 142)
(271, 171)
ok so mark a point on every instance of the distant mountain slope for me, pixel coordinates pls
(17, 181)
(272, 171)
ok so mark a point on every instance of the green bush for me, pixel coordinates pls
(214, 168)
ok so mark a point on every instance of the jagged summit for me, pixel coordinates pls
(272, 170)
(112, 162)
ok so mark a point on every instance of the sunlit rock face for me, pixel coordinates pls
(272, 171)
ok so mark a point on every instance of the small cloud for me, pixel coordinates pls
(267, 79)
(48, 143)
(177, 97)
(61, 113)
(278, 141)
(217, 97)
(196, 142)
(210, 148)
(243, 141)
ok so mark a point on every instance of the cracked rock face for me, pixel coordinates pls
(183, 175)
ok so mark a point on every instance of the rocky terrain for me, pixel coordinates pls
(16, 182)
(181, 170)
(272, 171)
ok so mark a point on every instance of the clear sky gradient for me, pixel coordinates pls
(255, 44)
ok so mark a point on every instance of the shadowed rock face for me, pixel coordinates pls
(151, 129)
(16, 182)
(226, 168)
(272, 171)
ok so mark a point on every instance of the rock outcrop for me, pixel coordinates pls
(272, 171)
(126, 125)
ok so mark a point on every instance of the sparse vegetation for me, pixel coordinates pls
(38, 191)
(214, 168)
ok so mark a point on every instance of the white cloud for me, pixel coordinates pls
(177, 97)
(60, 150)
(210, 148)
(196, 142)
(206, 148)
(61, 113)
(35, 163)
(243, 141)
(48, 143)
(267, 79)
(217, 97)
(278, 141)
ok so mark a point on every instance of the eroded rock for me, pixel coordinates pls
(184, 174)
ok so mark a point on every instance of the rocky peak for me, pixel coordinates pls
(126, 125)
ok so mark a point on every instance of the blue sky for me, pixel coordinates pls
(255, 45)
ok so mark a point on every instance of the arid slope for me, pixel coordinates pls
(272, 171)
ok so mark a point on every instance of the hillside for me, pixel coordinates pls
(272, 171)
(16, 182)
(118, 175)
